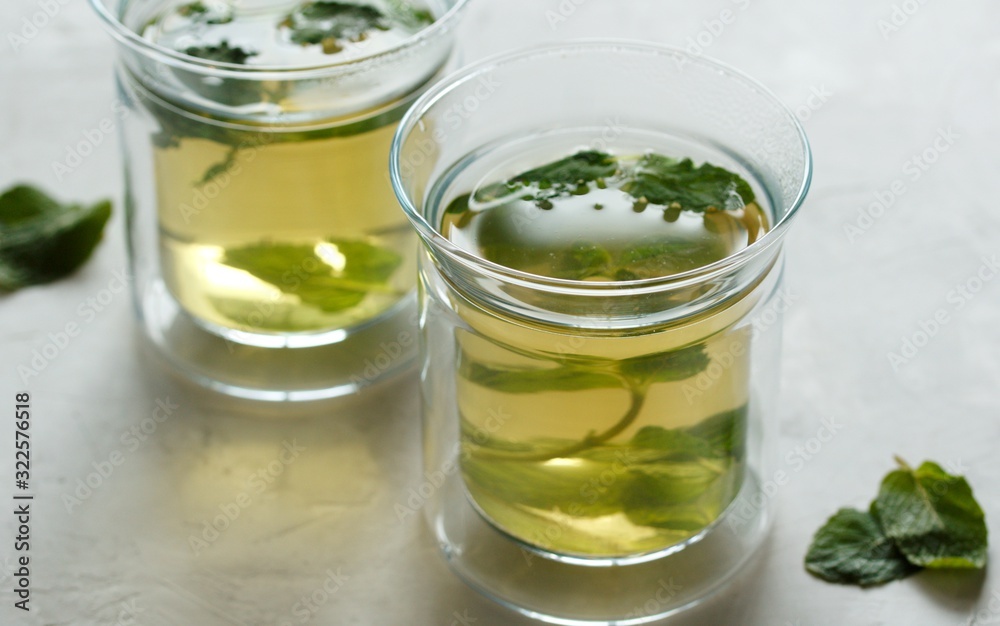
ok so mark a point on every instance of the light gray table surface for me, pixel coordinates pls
(872, 100)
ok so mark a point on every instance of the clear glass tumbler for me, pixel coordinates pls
(269, 256)
(599, 449)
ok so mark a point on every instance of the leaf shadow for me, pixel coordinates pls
(957, 590)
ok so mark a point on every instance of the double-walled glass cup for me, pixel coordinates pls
(598, 449)
(270, 259)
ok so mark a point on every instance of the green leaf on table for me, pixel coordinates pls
(42, 239)
(933, 517)
(679, 184)
(851, 548)
(222, 52)
(333, 275)
(330, 24)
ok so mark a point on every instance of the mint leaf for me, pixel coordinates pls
(536, 380)
(726, 432)
(569, 176)
(661, 367)
(222, 52)
(666, 367)
(665, 181)
(410, 16)
(650, 259)
(581, 261)
(582, 167)
(41, 239)
(933, 517)
(568, 488)
(199, 12)
(331, 23)
(333, 275)
(852, 549)
(667, 443)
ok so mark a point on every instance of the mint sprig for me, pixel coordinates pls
(921, 518)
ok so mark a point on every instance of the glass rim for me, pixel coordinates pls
(174, 58)
(472, 72)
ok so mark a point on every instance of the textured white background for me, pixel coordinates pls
(127, 545)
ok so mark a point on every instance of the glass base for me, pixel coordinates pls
(279, 368)
(551, 590)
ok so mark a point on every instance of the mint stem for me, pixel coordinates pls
(638, 399)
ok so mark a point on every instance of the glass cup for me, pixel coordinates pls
(597, 452)
(270, 260)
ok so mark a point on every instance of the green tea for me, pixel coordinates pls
(268, 227)
(599, 443)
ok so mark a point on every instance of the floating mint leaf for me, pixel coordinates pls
(199, 12)
(586, 166)
(933, 517)
(412, 17)
(679, 184)
(331, 23)
(852, 549)
(333, 275)
(41, 239)
(222, 52)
